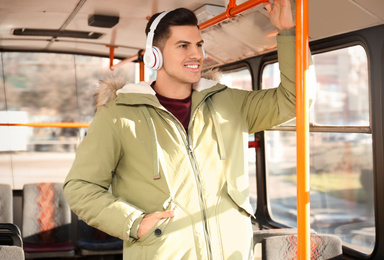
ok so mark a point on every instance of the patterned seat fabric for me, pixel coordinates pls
(323, 247)
(11, 252)
(46, 219)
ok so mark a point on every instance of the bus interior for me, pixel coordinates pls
(54, 53)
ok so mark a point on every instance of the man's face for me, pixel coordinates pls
(182, 55)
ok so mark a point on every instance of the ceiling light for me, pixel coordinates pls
(207, 11)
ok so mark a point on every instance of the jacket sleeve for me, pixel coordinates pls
(264, 109)
(86, 187)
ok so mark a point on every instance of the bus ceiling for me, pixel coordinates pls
(232, 10)
(74, 26)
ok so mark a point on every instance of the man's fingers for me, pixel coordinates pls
(160, 215)
(165, 214)
(150, 220)
(267, 6)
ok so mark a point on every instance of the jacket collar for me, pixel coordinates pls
(142, 93)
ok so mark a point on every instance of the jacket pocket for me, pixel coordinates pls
(154, 234)
(241, 200)
(234, 220)
(171, 238)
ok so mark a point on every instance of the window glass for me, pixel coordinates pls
(341, 166)
(242, 80)
(239, 79)
(342, 90)
(341, 183)
(342, 97)
(47, 88)
(5, 159)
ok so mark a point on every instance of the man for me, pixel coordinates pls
(173, 151)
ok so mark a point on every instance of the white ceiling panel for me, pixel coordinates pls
(247, 35)
(330, 17)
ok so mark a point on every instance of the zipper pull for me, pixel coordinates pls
(190, 149)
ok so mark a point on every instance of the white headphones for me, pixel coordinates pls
(152, 56)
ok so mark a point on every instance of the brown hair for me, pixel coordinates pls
(177, 17)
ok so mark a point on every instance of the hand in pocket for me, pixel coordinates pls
(151, 219)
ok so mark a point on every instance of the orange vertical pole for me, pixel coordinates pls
(111, 55)
(142, 71)
(302, 131)
(140, 55)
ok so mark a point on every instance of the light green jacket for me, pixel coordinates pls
(135, 145)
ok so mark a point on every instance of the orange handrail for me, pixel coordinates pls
(126, 60)
(232, 10)
(302, 130)
(57, 124)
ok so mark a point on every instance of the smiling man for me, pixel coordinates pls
(183, 57)
(173, 152)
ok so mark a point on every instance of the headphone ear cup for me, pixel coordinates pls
(153, 58)
(158, 58)
(149, 58)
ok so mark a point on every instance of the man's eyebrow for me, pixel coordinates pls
(184, 42)
(187, 42)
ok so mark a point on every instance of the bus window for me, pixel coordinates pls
(238, 79)
(242, 79)
(341, 165)
(46, 88)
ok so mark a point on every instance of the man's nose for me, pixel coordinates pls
(197, 53)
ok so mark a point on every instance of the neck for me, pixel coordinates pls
(175, 90)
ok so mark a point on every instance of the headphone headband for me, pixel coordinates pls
(152, 60)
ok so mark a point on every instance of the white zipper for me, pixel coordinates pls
(199, 188)
(196, 172)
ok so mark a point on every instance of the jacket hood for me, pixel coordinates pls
(106, 90)
(110, 87)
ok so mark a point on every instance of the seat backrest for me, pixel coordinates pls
(10, 226)
(6, 204)
(11, 244)
(323, 247)
(260, 235)
(10, 235)
(46, 214)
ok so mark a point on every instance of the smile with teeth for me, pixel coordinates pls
(192, 66)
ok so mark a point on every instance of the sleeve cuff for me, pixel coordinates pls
(135, 226)
(289, 32)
